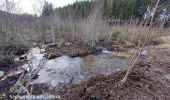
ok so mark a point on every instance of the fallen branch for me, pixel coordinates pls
(24, 80)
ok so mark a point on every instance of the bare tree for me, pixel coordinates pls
(139, 51)
(90, 26)
(37, 5)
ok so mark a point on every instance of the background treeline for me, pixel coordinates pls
(122, 9)
(86, 20)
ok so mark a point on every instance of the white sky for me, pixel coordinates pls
(34, 6)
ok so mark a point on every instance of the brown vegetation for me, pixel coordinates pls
(139, 85)
(71, 49)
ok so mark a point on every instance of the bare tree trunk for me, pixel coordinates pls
(139, 51)
(53, 33)
(73, 33)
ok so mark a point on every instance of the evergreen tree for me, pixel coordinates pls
(120, 9)
(47, 9)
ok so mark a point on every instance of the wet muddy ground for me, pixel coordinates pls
(83, 75)
(72, 50)
(150, 80)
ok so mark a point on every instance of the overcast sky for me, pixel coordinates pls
(32, 6)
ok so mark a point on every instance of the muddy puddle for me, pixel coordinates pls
(65, 69)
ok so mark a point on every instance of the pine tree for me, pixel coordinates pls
(47, 9)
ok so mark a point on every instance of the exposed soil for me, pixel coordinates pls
(113, 45)
(72, 50)
(80, 49)
(139, 86)
(7, 90)
(150, 80)
(8, 82)
(12, 49)
(8, 53)
(8, 65)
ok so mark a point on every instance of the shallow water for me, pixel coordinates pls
(66, 69)
(1, 73)
(104, 63)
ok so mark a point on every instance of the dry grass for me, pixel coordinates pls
(132, 33)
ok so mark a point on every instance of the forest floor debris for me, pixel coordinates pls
(72, 50)
(140, 85)
(149, 80)
(80, 49)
